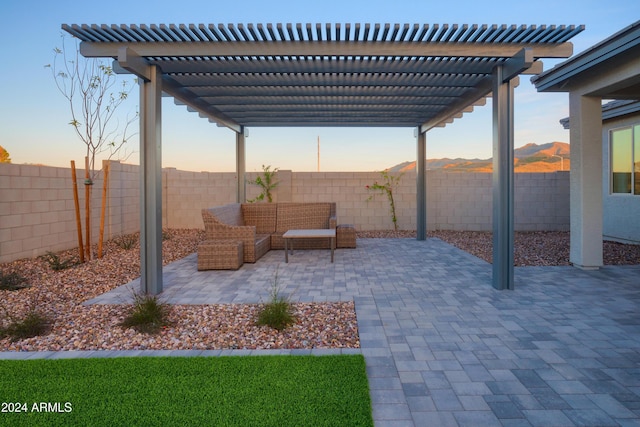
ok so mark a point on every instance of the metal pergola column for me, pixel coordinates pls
(503, 100)
(151, 183)
(421, 184)
(241, 193)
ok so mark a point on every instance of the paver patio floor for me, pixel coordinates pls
(443, 347)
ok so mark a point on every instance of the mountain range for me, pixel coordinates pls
(550, 157)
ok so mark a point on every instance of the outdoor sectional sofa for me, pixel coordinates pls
(253, 229)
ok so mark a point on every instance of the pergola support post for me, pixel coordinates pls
(421, 184)
(151, 183)
(503, 141)
(585, 181)
(241, 185)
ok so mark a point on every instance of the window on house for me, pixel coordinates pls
(636, 160)
(625, 160)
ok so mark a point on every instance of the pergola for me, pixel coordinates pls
(366, 75)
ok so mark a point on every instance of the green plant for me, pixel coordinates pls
(278, 312)
(126, 241)
(12, 281)
(389, 185)
(266, 183)
(32, 324)
(56, 263)
(148, 314)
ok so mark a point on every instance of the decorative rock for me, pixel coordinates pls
(223, 326)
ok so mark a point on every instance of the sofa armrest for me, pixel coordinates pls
(333, 222)
(215, 229)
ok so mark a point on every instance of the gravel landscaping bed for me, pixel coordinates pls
(539, 248)
(59, 294)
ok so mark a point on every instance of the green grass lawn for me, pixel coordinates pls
(187, 391)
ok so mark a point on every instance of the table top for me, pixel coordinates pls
(294, 234)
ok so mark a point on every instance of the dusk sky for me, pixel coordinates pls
(34, 116)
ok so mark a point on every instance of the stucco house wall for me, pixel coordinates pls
(620, 212)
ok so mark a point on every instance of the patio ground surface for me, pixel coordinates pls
(442, 347)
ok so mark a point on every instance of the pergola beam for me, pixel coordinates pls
(325, 48)
(474, 96)
(520, 62)
(523, 60)
(129, 60)
(183, 96)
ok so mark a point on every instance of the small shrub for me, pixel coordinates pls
(56, 263)
(278, 312)
(12, 281)
(266, 182)
(390, 185)
(33, 324)
(126, 241)
(148, 314)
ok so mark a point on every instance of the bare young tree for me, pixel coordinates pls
(94, 93)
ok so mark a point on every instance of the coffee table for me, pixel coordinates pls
(308, 234)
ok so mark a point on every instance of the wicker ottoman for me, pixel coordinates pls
(220, 255)
(346, 236)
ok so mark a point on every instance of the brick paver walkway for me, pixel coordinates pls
(442, 347)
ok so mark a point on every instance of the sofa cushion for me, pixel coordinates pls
(296, 216)
(261, 215)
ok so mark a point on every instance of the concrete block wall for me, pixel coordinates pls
(37, 208)
(348, 190)
(455, 201)
(185, 194)
(123, 200)
(34, 208)
(463, 201)
(459, 201)
(541, 201)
